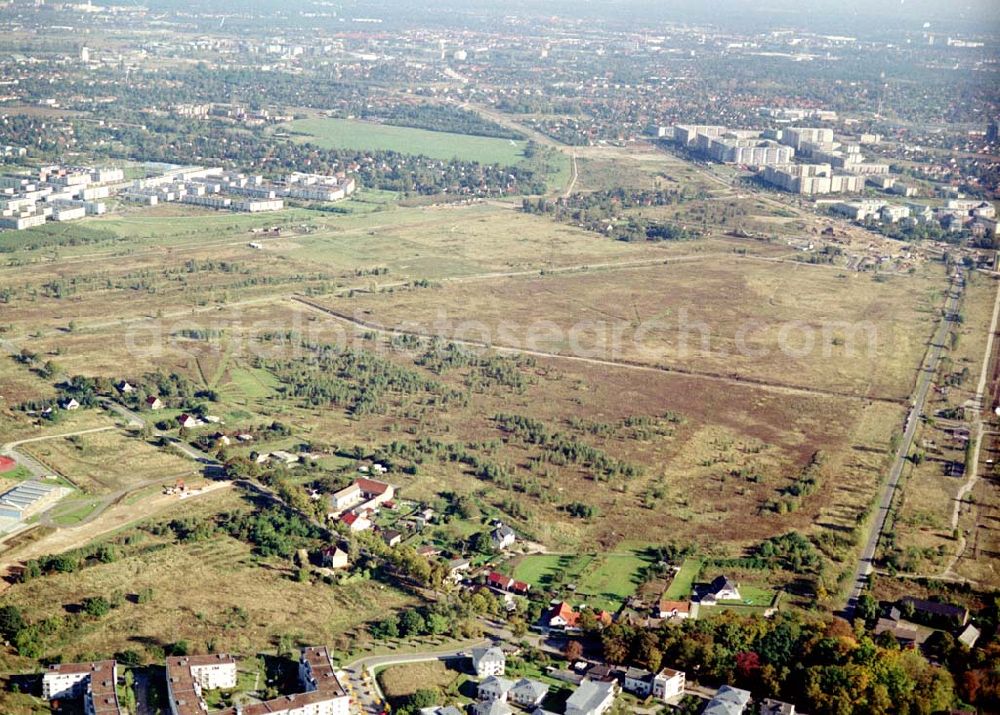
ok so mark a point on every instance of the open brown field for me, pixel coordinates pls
(109, 461)
(718, 433)
(792, 323)
(402, 680)
(197, 588)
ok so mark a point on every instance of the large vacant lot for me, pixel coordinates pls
(808, 326)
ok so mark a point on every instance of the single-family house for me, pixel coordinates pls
(721, 589)
(728, 701)
(439, 710)
(638, 681)
(677, 610)
(905, 633)
(591, 698)
(563, 616)
(488, 661)
(502, 537)
(154, 403)
(458, 567)
(392, 537)
(334, 557)
(506, 583)
(125, 388)
(935, 612)
(186, 420)
(356, 522)
(604, 673)
(494, 687)
(428, 551)
(70, 404)
(669, 683)
(769, 706)
(370, 493)
(492, 707)
(528, 693)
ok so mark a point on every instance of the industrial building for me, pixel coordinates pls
(28, 498)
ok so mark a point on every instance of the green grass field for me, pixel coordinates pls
(543, 570)
(759, 596)
(18, 473)
(602, 581)
(683, 582)
(612, 578)
(74, 512)
(350, 134)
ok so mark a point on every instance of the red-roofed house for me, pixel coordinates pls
(356, 522)
(368, 493)
(506, 583)
(674, 609)
(563, 616)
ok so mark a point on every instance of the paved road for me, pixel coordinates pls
(924, 379)
(367, 697)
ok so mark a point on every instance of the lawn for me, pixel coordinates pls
(69, 513)
(352, 134)
(602, 580)
(683, 582)
(17, 474)
(611, 578)
(759, 596)
(549, 570)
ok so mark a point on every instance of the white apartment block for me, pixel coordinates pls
(797, 136)
(685, 134)
(323, 693)
(93, 682)
(668, 683)
(811, 179)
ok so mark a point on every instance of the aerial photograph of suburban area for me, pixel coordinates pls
(451, 357)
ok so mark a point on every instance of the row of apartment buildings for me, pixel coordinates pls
(837, 167)
(55, 193)
(218, 189)
(188, 677)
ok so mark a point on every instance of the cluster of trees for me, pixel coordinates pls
(274, 531)
(456, 616)
(806, 483)
(69, 561)
(359, 380)
(437, 118)
(488, 369)
(823, 666)
(603, 212)
(562, 449)
(638, 427)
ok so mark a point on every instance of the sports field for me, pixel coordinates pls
(351, 134)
